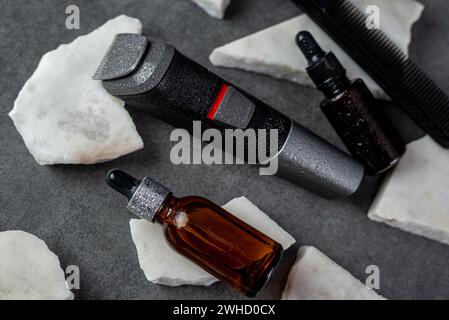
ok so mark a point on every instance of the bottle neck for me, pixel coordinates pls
(334, 87)
(166, 210)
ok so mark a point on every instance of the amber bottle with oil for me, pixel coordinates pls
(203, 232)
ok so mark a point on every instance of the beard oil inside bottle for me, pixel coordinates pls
(220, 243)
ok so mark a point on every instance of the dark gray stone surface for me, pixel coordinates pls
(85, 223)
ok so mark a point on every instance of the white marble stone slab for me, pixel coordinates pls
(66, 117)
(273, 51)
(29, 270)
(214, 8)
(415, 196)
(316, 277)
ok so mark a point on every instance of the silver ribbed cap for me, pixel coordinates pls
(147, 199)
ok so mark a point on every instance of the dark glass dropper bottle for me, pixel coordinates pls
(352, 110)
(203, 232)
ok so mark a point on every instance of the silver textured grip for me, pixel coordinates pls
(147, 199)
(309, 161)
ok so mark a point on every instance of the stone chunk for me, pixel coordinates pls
(66, 117)
(29, 270)
(214, 8)
(415, 196)
(316, 277)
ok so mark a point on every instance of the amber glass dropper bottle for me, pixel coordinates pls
(203, 232)
(352, 110)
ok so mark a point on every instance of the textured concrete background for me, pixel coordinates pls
(85, 223)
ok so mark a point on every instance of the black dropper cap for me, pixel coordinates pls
(324, 68)
(122, 182)
(309, 47)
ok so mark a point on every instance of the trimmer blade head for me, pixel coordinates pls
(122, 57)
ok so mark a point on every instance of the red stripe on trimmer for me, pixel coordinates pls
(221, 94)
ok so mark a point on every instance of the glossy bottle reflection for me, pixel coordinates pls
(206, 234)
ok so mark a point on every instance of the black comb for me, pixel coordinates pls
(406, 84)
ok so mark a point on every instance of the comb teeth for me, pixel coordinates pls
(399, 76)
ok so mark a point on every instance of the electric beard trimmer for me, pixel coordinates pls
(151, 74)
